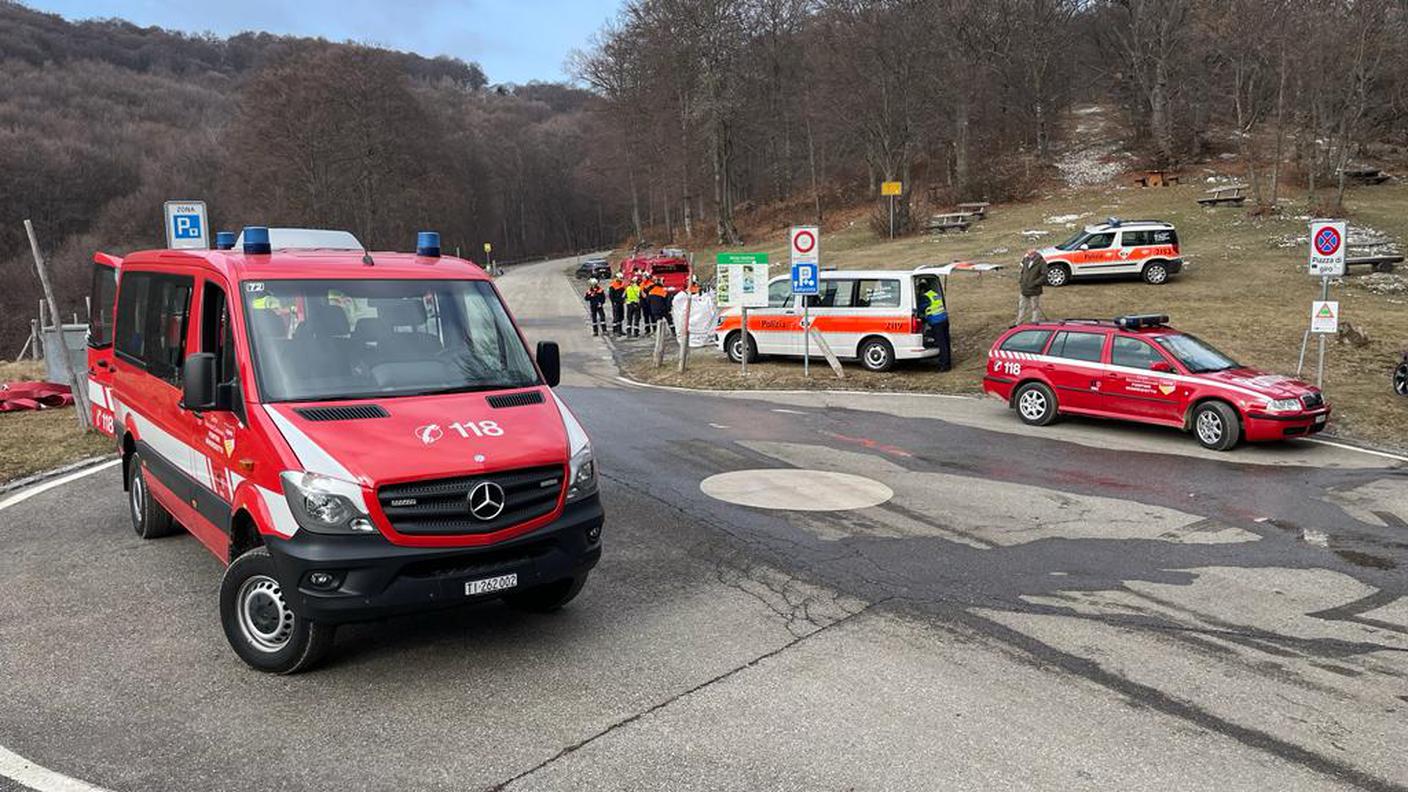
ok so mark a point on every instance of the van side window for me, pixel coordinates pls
(152, 313)
(878, 294)
(835, 293)
(100, 317)
(1078, 346)
(780, 294)
(1032, 341)
(216, 336)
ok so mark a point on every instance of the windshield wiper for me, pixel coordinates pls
(474, 388)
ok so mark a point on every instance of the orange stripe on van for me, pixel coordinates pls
(787, 323)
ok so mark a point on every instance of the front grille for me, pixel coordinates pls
(520, 399)
(355, 412)
(1312, 400)
(441, 506)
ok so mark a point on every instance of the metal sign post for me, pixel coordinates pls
(1327, 246)
(892, 189)
(806, 280)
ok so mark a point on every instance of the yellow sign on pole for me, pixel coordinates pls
(488, 248)
(891, 188)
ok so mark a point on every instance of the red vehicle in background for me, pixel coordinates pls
(1137, 368)
(668, 266)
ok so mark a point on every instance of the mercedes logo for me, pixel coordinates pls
(486, 500)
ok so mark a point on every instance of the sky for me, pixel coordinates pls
(513, 40)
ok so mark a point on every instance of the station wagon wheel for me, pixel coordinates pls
(738, 346)
(150, 520)
(259, 622)
(1400, 379)
(876, 354)
(1216, 427)
(1035, 403)
(1058, 275)
(1155, 273)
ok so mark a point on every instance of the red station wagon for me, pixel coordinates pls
(1137, 368)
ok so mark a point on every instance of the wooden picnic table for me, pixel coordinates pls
(951, 221)
(1229, 194)
(1366, 175)
(977, 208)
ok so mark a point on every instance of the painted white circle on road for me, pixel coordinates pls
(796, 490)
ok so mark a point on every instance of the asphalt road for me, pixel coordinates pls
(1081, 607)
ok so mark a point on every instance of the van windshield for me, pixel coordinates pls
(324, 340)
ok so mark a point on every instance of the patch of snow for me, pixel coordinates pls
(1066, 219)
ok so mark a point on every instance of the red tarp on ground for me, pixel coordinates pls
(16, 396)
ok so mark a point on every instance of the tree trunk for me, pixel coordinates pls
(960, 144)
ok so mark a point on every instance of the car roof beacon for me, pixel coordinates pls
(428, 244)
(256, 241)
(225, 240)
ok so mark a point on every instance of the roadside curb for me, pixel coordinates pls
(41, 477)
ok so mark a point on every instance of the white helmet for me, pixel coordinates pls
(592, 281)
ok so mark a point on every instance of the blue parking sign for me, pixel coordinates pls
(185, 226)
(806, 278)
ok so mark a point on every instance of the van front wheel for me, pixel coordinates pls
(259, 624)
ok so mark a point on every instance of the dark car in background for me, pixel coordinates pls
(598, 268)
(1400, 376)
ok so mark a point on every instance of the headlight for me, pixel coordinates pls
(326, 505)
(581, 467)
(1283, 405)
(581, 474)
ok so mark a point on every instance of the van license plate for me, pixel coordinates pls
(490, 585)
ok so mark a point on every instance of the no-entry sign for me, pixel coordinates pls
(1327, 245)
(806, 244)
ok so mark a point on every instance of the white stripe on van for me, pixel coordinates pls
(278, 511)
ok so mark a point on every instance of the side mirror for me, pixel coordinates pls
(1162, 366)
(550, 362)
(198, 382)
(1085, 247)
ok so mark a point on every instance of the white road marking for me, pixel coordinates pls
(37, 489)
(787, 412)
(718, 426)
(28, 774)
(1384, 454)
(12, 765)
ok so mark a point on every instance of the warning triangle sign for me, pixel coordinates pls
(1325, 312)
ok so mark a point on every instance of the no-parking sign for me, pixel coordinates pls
(1327, 243)
(806, 244)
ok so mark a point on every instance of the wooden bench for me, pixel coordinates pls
(1383, 263)
(1231, 194)
(978, 209)
(953, 221)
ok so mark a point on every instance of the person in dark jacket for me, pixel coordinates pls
(1031, 279)
(658, 298)
(935, 312)
(596, 303)
(616, 293)
(647, 310)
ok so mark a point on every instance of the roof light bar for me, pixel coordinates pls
(1139, 321)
